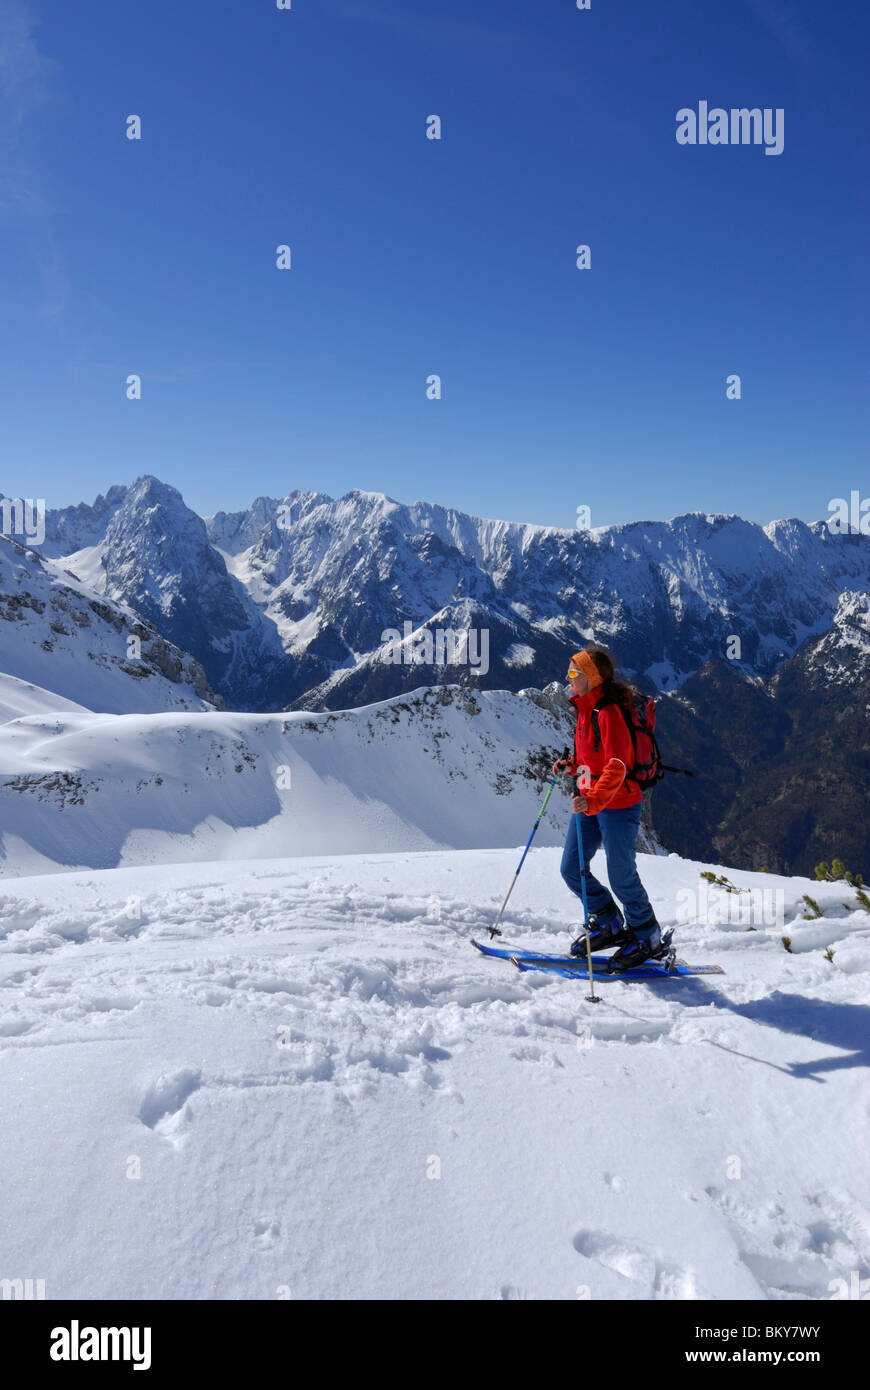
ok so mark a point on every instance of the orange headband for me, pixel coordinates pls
(583, 661)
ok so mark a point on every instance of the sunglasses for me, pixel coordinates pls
(573, 673)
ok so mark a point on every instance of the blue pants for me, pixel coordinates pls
(617, 831)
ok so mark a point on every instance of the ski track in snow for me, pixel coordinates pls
(286, 1045)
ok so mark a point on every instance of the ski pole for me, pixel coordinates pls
(494, 931)
(591, 997)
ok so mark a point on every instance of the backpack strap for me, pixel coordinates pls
(593, 718)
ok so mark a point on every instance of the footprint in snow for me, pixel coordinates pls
(266, 1233)
(802, 1252)
(164, 1107)
(15, 1027)
(637, 1263)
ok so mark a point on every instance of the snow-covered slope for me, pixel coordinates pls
(435, 769)
(19, 699)
(58, 636)
(288, 601)
(298, 1080)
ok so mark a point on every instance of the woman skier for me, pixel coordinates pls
(610, 807)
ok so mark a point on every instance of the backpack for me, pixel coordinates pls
(647, 768)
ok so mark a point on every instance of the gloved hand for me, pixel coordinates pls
(566, 765)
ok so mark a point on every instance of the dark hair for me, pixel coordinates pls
(612, 689)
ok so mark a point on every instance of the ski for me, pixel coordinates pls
(508, 953)
(572, 968)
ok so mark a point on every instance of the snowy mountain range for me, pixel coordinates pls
(287, 603)
(756, 639)
(59, 637)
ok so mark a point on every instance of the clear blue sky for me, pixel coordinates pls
(413, 257)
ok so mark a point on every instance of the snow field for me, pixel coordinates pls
(296, 1078)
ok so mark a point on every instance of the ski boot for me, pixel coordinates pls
(643, 943)
(606, 928)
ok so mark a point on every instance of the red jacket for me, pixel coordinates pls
(608, 764)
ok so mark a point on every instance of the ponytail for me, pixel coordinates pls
(611, 689)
